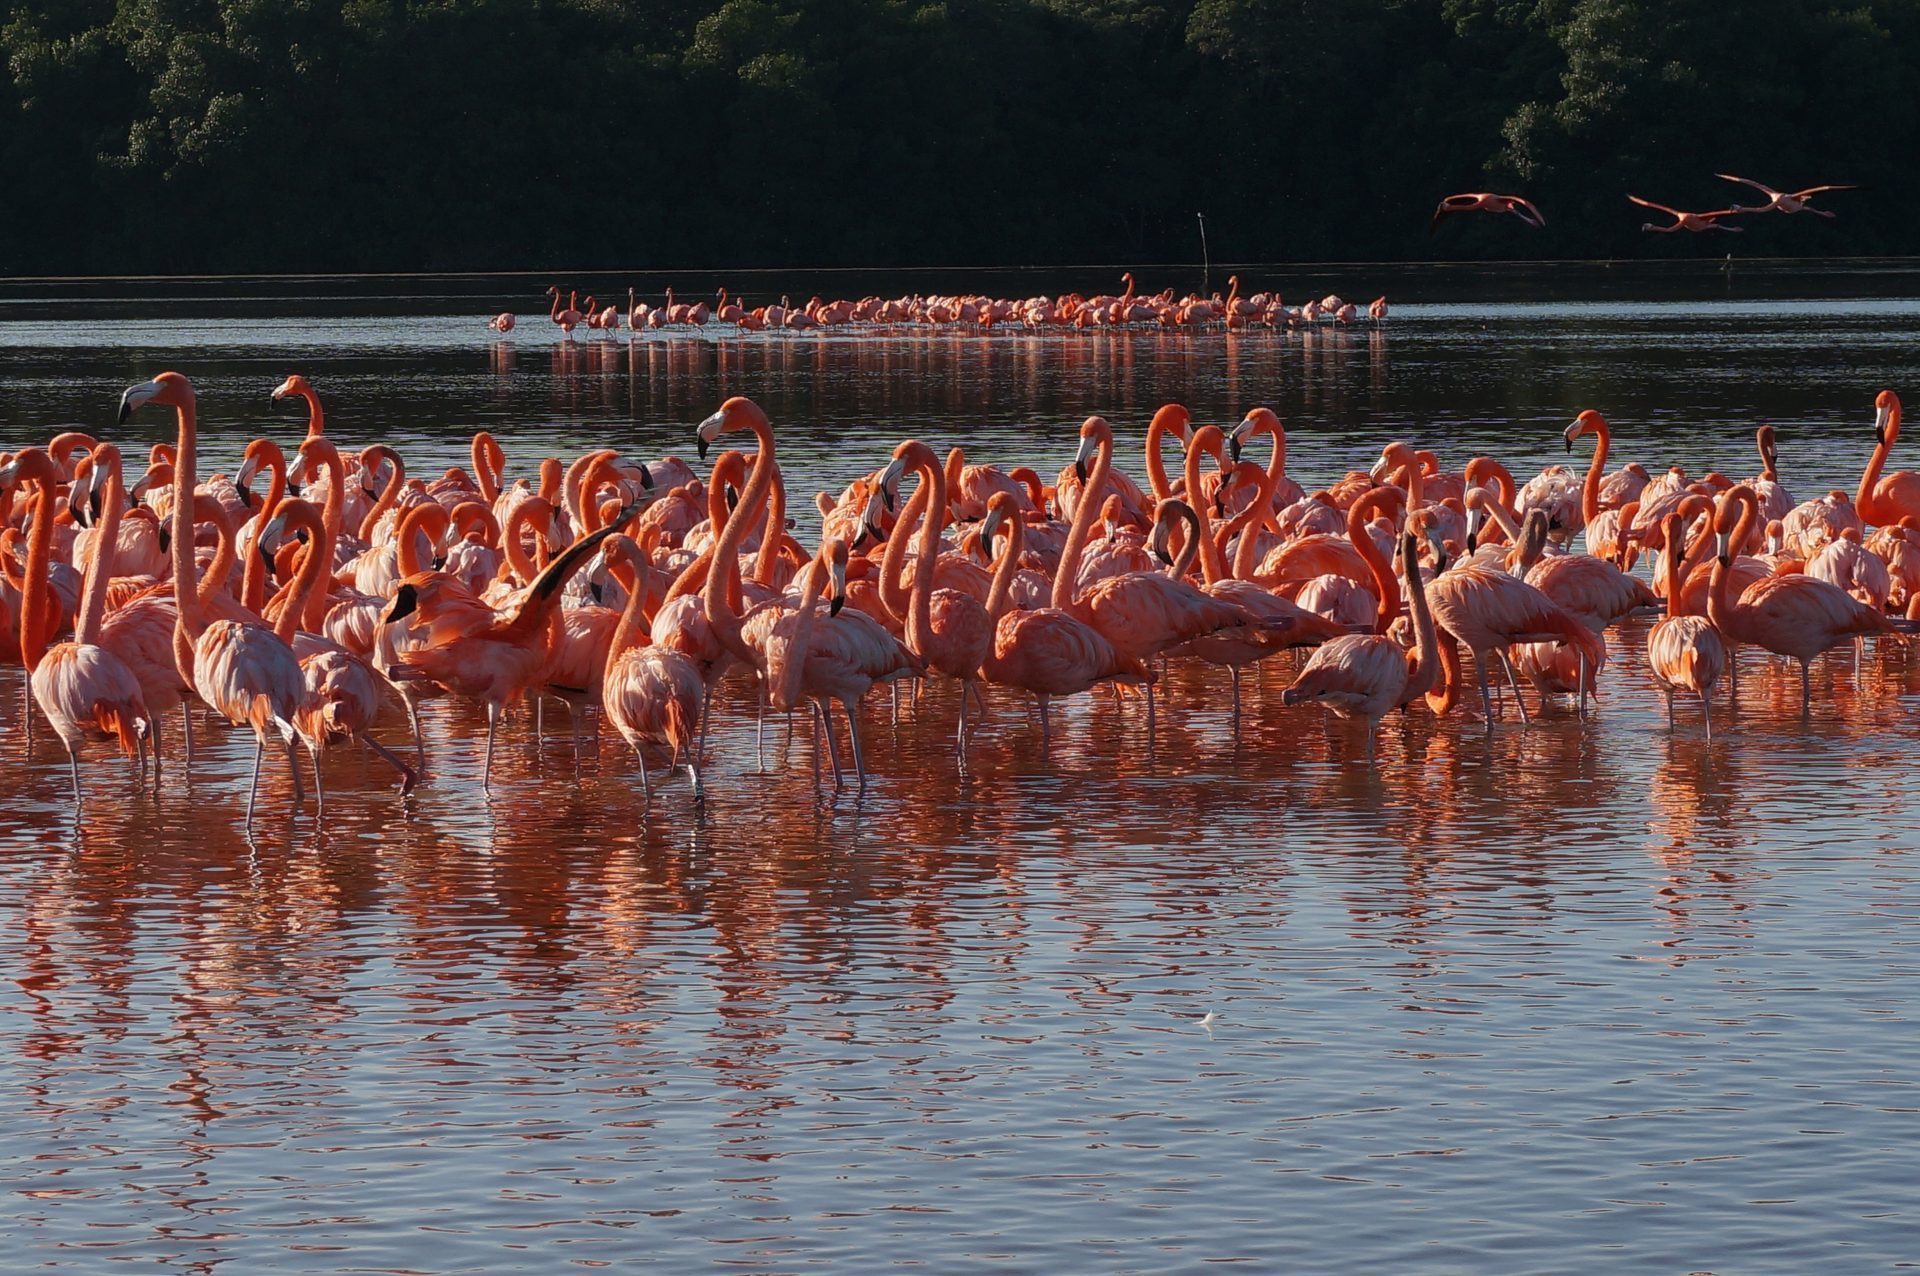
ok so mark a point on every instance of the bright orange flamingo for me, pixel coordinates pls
(1782, 201)
(1365, 675)
(1695, 222)
(1282, 491)
(493, 657)
(1485, 202)
(296, 386)
(1686, 653)
(243, 671)
(651, 695)
(83, 688)
(1881, 501)
(947, 629)
(1795, 615)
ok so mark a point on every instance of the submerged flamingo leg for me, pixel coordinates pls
(408, 777)
(853, 735)
(259, 757)
(73, 760)
(486, 770)
(1515, 684)
(1707, 709)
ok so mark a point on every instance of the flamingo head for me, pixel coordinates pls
(169, 389)
(1588, 422)
(834, 552)
(1886, 418)
(293, 385)
(1093, 432)
(1394, 456)
(737, 413)
(1174, 419)
(1257, 421)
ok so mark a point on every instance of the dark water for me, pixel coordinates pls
(1587, 996)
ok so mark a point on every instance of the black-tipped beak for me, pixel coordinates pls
(247, 498)
(646, 478)
(369, 492)
(405, 599)
(597, 591)
(266, 555)
(166, 538)
(1166, 559)
(886, 499)
(1569, 443)
(293, 488)
(700, 448)
(1080, 469)
(1473, 539)
(1233, 446)
(835, 604)
(126, 410)
(440, 563)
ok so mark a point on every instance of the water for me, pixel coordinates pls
(1587, 996)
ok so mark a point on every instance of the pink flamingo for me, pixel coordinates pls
(83, 688)
(1782, 201)
(502, 322)
(297, 386)
(243, 671)
(1887, 500)
(651, 695)
(567, 319)
(1365, 675)
(1487, 202)
(1795, 616)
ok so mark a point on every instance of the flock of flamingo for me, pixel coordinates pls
(915, 312)
(628, 589)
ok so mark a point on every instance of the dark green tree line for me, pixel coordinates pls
(276, 135)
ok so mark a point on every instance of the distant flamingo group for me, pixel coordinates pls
(976, 312)
(628, 589)
(1777, 202)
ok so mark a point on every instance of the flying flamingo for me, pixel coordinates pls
(1781, 201)
(1685, 652)
(243, 671)
(1795, 615)
(1365, 675)
(1688, 221)
(1482, 202)
(1881, 501)
(651, 695)
(82, 687)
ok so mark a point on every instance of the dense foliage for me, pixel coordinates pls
(180, 135)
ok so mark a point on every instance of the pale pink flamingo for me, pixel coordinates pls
(502, 322)
(1782, 201)
(651, 695)
(243, 671)
(1686, 653)
(566, 319)
(1695, 222)
(1775, 500)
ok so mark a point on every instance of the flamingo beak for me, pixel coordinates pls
(1080, 459)
(839, 599)
(1234, 444)
(136, 396)
(1473, 530)
(708, 431)
(1379, 470)
(1724, 542)
(1879, 426)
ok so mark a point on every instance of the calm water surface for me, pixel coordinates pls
(1587, 996)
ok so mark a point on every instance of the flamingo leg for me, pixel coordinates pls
(1480, 659)
(486, 770)
(408, 777)
(1707, 709)
(1670, 707)
(73, 760)
(1806, 688)
(259, 757)
(853, 735)
(293, 769)
(760, 729)
(1046, 729)
(419, 740)
(319, 786)
(960, 736)
(646, 785)
(1515, 684)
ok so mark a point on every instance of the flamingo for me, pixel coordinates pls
(1686, 653)
(242, 670)
(1886, 500)
(1795, 616)
(493, 657)
(1365, 675)
(502, 322)
(651, 695)
(567, 319)
(1483, 202)
(1781, 201)
(83, 688)
(297, 386)
(1695, 222)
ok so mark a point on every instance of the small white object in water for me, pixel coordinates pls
(1208, 1020)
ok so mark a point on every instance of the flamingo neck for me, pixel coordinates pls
(1213, 565)
(39, 614)
(633, 617)
(100, 562)
(723, 585)
(1426, 671)
(253, 577)
(1863, 500)
(1590, 490)
(513, 547)
(893, 593)
(1676, 551)
(389, 495)
(488, 461)
(1157, 431)
(426, 524)
(771, 533)
(920, 613)
(1385, 586)
(1084, 516)
(307, 580)
(1195, 524)
(1000, 592)
(192, 619)
(1721, 608)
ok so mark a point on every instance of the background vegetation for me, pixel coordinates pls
(238, 135)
